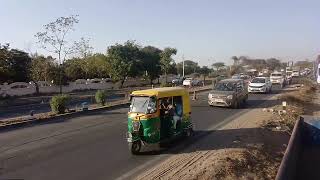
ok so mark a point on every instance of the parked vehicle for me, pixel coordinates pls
(178, 81)
(277, 78)
(158, 115)
(191, 82)
(260, 84)
(228, 93)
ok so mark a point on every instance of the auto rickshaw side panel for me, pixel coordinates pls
(149, 130)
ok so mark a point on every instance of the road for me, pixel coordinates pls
(92, 146)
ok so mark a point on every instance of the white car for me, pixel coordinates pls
(191, 82)
(260, 84)
(295, 73)
(277, 78)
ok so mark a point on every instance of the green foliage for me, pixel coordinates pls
(273, 63)
(14, 65)
(100, 97)
(218, 65)
(42, 68)
(123, 61)
(166, 60)
(59, 103)
(204, 71)
(189, 67)
(151, 62)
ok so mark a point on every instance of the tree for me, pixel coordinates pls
(273, 63)
(96, 66)
(235, 60)
(204, 71)
(5, 73)
(151, 62)
(189, 67)
(14, 65)
(166, 59)
(123, 61)
(73, 69)
(82, 48)
(41, 68)
(218, 65)
(53, 38)
(304, 64)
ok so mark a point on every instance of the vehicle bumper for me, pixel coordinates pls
(255, 89)
(276, 82)
(219, 102)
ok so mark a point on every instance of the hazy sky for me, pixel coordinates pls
(199, 29)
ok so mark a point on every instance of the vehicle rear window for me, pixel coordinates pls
(225, 86)
(258, 80)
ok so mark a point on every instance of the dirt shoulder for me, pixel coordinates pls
(246, 148)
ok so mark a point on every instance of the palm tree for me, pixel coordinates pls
(235, 60)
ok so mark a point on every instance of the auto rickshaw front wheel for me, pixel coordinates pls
(189, 132)
(135, 147)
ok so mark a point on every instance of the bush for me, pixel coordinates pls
(59, 103)
(101, 97)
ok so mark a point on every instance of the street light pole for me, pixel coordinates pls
(182, 65)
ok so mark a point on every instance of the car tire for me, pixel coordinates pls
(235, 105)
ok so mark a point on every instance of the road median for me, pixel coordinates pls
(11, 123)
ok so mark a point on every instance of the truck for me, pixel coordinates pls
(302, 156)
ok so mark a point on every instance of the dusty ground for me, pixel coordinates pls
(246, 148)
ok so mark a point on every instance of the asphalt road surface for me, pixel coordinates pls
(93, 146)
(24, 110)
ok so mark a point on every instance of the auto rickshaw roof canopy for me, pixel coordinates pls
(162, 92)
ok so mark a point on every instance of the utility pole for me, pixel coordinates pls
(182, 65)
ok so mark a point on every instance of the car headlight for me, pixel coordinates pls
(230, 97)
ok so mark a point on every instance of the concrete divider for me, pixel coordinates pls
(38, 119)
(289, 163)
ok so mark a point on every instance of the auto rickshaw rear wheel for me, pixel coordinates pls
(135, 147)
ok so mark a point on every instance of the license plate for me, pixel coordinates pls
(218, 100)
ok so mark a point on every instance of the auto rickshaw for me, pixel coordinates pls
(158, 115)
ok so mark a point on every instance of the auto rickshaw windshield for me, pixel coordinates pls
(143, 105)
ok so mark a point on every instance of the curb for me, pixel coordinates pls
(66, 116)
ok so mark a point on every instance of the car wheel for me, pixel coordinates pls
(235, 105)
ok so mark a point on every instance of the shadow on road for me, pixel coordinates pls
(230, 138)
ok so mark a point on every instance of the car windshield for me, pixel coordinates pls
(258, 80)
(142, 104)
(225, 86)
(276, 75)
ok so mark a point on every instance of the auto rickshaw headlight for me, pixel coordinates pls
(136, 125)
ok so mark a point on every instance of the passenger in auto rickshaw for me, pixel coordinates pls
(170, 114)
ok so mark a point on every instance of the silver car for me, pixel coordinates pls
(228, 93)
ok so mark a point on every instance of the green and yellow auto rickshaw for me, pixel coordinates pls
(158, 115)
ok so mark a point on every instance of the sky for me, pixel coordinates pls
(205, 31)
